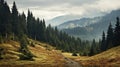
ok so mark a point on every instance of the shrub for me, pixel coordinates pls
(26, 56)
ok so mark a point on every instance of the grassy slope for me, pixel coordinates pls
(109, 58)
(54, 58)
(44, 58)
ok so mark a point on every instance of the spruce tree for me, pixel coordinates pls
(109, 39)
(15, 21)
(8, 25)
(5, 19)
(23, 23)
(30, 24)
(117, 33)
(93, 50)
(103, 42)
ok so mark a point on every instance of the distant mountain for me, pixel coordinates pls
(79, 23)
(93, 30)
(61, 19)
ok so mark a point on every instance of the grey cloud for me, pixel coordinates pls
(60, 7)
(47, 3)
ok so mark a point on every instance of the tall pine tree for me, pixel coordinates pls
(117, 33)
(103, 42)
(15, 21)
(93, 50)
(23, 23)
(5, 23)
(109, 39)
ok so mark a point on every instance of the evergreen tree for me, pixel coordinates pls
(31, 25)
(8, 26)
(15, 20)
(5, 19)
(99, 45)
(103, 42)
(42, 30)
(23, 22)
(93, 50)
(117, 33)
(28, 23)
(109, 39)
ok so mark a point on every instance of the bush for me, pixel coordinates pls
(74, 54)
(26, 54)
(26, 57)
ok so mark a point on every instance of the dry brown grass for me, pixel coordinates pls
(109, 58)
(44, 58)
(54, 58)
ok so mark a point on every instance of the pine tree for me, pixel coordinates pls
(30, 24)
(23, 23)
(109, 39)
(8, 26)
(99, 45)
(93, 48)
(15, 20)
(117, 33)
(4, 19)
(42, 30)
(103, 43)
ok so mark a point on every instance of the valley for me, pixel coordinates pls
(79, 36)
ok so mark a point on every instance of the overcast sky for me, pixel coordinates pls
(49, 9)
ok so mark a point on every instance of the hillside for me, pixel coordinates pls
(43, 57)
(109, 58)
(49, 57)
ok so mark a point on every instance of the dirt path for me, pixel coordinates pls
(71, 63)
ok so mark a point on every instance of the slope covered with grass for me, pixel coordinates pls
(44, 57)
(109, 58)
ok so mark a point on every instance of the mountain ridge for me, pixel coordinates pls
(61, 19)
(94, 30)
(78, 23)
